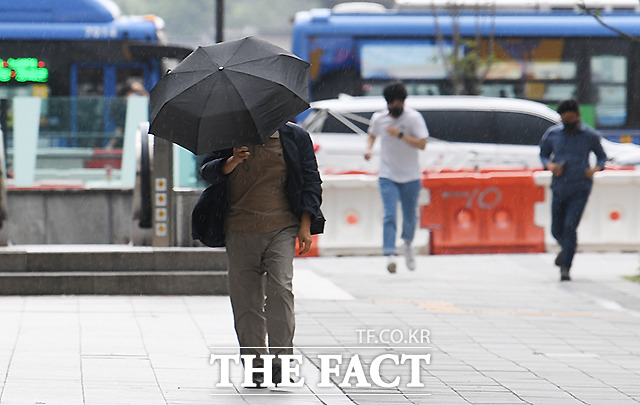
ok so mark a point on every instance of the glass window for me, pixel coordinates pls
(461, 126)
(611, 105)
(609, 68)
(498, 90)
(549, 92)
(403, 60)
(325, 122)
(609, 81)
(532, 59)
(520, 129)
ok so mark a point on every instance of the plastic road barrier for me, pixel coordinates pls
(482, 212)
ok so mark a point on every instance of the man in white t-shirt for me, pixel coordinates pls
(403, 134)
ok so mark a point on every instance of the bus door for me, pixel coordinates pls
(98, 101)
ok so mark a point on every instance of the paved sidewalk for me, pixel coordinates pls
(501, 330)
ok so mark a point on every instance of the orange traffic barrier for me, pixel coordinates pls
(482, 212)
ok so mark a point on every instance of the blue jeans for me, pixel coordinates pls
(566, 212)
(407, 194)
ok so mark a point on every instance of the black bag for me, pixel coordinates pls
(207, 218)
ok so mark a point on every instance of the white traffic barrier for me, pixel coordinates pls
(611, 221)
(353, 208)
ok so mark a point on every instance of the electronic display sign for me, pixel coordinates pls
(23, 70)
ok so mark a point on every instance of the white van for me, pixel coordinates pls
(465, 132)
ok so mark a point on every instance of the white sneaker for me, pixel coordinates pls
(409, 258)
(391, 263)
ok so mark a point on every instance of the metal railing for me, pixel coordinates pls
(142, 216)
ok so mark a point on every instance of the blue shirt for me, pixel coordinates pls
(572, 150)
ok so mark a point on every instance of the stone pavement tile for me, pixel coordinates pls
(51, 304)
(122, 394)
(185, 373)
(122, 379)
(44, 366)
(174, 336)
(117, 368)
(39, 391)
(104, 304)
(50, 333)
(567, 400)
(445, 399)
(493, 398)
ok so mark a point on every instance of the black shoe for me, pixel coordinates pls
(559, 259)
(564, 274)
(258, 380)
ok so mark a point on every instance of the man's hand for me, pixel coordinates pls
(368, 152)
(393, 131)
(239, 155)
(590, 172)
(412, 141)
(555, 168)
(304, 234)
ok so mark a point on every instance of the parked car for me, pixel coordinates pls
(465, 132)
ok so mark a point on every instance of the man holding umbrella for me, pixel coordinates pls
(233, 101)
(272, 195)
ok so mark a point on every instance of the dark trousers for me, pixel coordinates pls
(566, 212)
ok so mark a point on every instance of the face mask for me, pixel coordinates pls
(571, 126)
(395, 112)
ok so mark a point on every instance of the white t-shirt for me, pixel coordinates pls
(398, 160)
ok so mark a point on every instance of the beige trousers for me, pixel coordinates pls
(260, 288)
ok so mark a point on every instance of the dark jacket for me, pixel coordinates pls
(572, 151)
(303, 187)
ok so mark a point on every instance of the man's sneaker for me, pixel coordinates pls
(409, 258)
(558, 261)
(391, 263)
(258, 379)
(564, 274)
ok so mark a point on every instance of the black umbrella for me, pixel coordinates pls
(230, 94)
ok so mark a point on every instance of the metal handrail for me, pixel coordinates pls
(142, 216)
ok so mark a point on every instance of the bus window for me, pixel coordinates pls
(499, 90)
(129, 81)
(89, 123)
(400, 60)
(609, 81)
(90, 81)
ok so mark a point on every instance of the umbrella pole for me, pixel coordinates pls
(219, 21)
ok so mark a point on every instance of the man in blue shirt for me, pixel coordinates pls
(564, 150)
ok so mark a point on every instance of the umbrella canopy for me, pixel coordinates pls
(230, 94)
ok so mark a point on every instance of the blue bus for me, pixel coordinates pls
(544, 54)
(81, 57)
